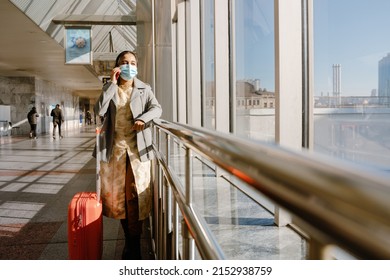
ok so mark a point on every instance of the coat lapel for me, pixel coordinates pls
(138, 87)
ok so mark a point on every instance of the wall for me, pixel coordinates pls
(155, 52)
(47, 96)
(18, 93)
(23, 93)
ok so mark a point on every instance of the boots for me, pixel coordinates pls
(132, 249)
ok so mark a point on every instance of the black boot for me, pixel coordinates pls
(132, 249)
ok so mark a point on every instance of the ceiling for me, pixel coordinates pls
(32, 45)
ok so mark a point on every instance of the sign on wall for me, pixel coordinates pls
(78, 45)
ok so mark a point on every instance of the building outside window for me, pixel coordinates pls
(254, 68)
(351, 80)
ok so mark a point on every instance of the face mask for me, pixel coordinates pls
(128, 71)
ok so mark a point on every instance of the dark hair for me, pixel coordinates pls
(118, 58)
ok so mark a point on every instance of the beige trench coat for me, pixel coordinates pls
(144, 106)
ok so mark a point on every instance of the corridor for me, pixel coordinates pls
(38, 178)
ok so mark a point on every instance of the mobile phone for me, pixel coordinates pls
(117, 75)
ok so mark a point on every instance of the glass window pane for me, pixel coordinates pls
(208, 79)
(352, 80)
(254, 60)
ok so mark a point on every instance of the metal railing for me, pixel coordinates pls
(5, 128)
(334, 202)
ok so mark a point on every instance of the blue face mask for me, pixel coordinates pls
(128, 71)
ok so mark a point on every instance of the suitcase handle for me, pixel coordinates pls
(98, 158)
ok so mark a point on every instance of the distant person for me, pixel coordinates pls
(88, 118)
(32, 120)
(58, 119)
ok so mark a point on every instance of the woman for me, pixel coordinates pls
(128, 106)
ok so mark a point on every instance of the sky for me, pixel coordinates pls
(352, 33)
(255, 41)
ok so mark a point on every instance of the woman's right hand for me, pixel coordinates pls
(115, 75)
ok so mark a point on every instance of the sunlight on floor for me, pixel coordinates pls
(15, 214)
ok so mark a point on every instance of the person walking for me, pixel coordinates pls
(88, 118)
(32, 120)
(58, 119)
(127, 106)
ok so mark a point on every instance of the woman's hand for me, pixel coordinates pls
(138, 125)
(115, 75)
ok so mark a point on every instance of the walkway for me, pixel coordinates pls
(38, 178)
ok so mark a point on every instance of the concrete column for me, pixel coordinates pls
(288, 78)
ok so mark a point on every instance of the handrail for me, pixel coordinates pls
(208, 246)
(338, 203)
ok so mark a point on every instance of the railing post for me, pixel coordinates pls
(160, 212)
(318, 250)
(165, 210)
(188, 241)
(168, 204)
(175, 236)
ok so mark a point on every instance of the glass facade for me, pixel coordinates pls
(351, 66)
(350, 81)
(208, 74)
(351, 75)
(254, 69)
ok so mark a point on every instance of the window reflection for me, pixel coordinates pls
(254, 71)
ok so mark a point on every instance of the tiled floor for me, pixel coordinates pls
(38, 178)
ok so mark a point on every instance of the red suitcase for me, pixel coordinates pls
(85, 220)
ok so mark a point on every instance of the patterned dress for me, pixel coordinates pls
(113, 173)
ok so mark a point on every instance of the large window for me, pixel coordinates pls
(352, 80)
(253, 35)
(208, 78)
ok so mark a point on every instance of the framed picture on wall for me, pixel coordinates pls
(78, 45)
